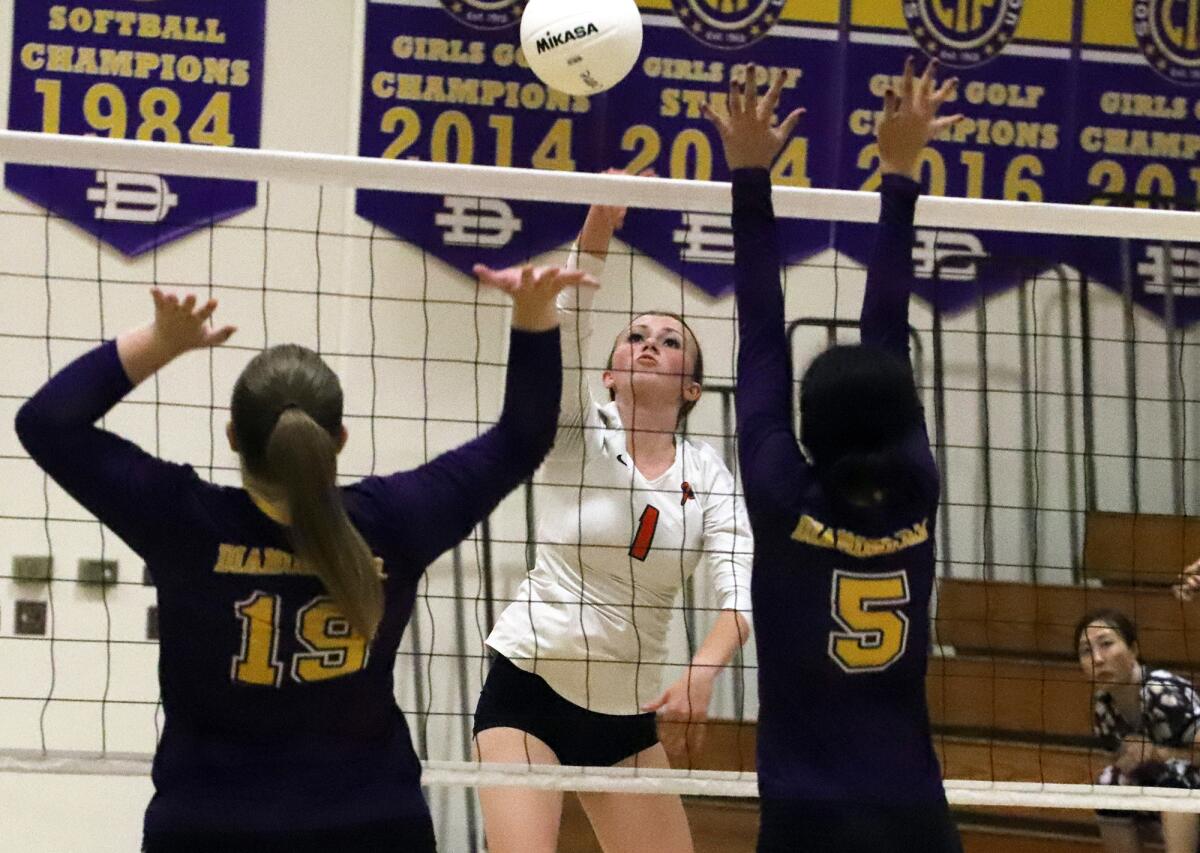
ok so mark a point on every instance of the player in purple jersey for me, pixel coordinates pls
(843, 562)
(281, 605)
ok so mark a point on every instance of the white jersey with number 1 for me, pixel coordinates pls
(614, 548)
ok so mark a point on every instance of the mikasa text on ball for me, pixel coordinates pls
(581, 47)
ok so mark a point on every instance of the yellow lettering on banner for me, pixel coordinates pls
(60, 58)
(51, 92)
(862, 122)
(439, 50)
(1144, 106)
(1017, 96)
(505, 54)
(33, 56)
(674, 102)
(383, 85)
(85, 61)
(1123, 141)
(240, 73)
(472, 91)
(107, 62)
(146, 25)
(691, 70)
(149, 26)
(765, 74)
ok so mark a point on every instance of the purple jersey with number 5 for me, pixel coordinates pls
(841, 595)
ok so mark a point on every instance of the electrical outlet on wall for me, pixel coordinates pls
(32, 569)
(98, 571)
(30, 618)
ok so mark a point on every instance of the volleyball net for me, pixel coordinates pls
(1055, 348)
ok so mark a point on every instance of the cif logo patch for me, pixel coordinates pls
(962, 33)
(486, 14)
(728, 24)
(1168, 32)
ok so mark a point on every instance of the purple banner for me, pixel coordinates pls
(1092, 102)
(659, 126)
(1138, 145)
(177, 71)
(454, 88)
(1012, 145)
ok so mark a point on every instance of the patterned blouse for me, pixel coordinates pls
(1170, 712)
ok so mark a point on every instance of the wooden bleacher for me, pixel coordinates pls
(1009, 703)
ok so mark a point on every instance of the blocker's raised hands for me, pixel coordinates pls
(750, 133)
(910, 119)
(533, 291)
(180, 326)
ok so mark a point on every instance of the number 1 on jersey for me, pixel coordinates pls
(644, 537)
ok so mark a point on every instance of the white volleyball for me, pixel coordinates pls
(581, 47)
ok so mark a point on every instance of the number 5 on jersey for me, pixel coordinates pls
(867, 607)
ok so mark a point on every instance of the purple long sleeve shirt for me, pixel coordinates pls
(840, 593)
(277, 719)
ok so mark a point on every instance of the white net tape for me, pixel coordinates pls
(693, 783)
(540, 185)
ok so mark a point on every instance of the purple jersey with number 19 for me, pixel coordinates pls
(279, 717)
(840, 594)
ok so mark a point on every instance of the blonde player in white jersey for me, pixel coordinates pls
(627, 511)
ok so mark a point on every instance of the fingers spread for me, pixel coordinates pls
(751, 87)
(789, 123)
(927, 79)
(891, 104)
(949, 121)
(771, 101)
(221, 335)
(735, 98)
(206, 311)
(945, 92)
(906, 84)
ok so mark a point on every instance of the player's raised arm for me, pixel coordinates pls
(439, 502)
(909, 121)
(771, 460)
(125, 487)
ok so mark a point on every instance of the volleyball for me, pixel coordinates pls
(581, 47)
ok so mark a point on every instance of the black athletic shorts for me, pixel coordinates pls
(516, 699)
(414, 835)
(788, 826)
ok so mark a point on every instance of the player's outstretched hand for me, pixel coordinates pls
(910, 119)
(750, 133)
(1189, 583)
(180, 326)
(533, 291)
